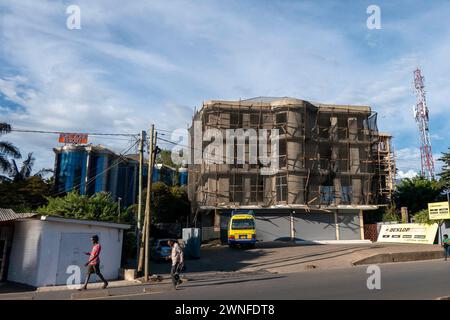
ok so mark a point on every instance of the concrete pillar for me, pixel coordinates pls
(335, 159)
(294, 140)
(354, 160)
(246, 190)
(292, 226)
(296, 186)
(336, 223)
(356, 191)
(361, 224)
(269, 189)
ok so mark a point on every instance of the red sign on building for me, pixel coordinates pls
(73, 138)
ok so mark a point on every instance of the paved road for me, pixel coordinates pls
(410, 280)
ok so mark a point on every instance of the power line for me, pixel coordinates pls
(64, 132)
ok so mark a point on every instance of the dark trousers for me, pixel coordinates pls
(174, 273)
(94, 269)
(446, 249)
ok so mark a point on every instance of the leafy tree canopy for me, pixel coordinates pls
(100, 206)
(169, 203)
(417, 192)
(25, 195)
(7, 150)
(445, 174)
(165, 157)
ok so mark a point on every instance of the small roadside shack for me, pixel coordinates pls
(42, 248)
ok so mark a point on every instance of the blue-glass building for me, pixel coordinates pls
(90, 169)
(183, 176)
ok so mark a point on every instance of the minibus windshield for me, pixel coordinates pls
(240, 224)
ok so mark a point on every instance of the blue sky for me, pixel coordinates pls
(135, 63)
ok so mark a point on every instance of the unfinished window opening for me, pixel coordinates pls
(254, 120)
(281, 118)
(281, 188)
(236, 188)
(257, 189)
(346, 194)
(326, 194)
(235, 120)
(282, 152)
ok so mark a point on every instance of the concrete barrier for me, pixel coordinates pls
(400, 257)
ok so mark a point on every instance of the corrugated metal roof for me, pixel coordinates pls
(9, 214)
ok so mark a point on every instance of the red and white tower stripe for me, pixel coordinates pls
(421, 116)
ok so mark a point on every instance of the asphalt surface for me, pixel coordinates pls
(409, 280)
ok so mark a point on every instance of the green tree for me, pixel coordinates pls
(7, 150)
(417, 192)
(169, 203)
(445, 174)
(100, 206)
(390, 214)
(423, 217)
(24, 172)
(25, 195)
(165, 157)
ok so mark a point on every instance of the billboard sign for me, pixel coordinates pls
(439, 210)
(73, 138)
(408, 233)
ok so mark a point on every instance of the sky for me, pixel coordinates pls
(142, 62)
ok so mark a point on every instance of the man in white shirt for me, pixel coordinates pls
(177, 258)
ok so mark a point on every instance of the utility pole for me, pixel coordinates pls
(148, 215)
(141, 178)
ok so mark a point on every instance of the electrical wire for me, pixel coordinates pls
(63, 132)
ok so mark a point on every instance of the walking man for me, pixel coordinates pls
(94, 263)
(446, 245)
(177, 263)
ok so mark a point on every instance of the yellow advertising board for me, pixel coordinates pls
(439, 210)
(408, 233)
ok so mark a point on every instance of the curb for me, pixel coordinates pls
(90, 294)
(92, 286)
(399, 257)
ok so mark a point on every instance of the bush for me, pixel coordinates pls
(390, 214)
(100, 207)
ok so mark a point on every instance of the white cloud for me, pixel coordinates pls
(408, 159)
(409, 174)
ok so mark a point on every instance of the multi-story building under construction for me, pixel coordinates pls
(332, 163)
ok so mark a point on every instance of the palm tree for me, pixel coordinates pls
(25, 170)
(7, 150)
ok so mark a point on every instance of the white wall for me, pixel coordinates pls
(25, 252)
(44, 261)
